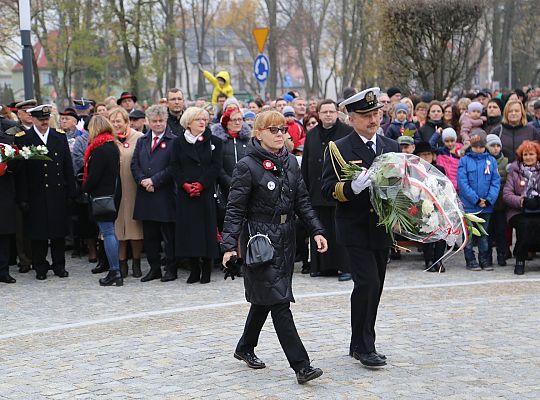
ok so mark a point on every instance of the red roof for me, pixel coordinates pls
(42, 61)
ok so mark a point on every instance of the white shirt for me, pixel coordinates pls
(159, 138)
(42, 136)
(373, 139)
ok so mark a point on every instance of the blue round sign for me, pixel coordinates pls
(261, 67)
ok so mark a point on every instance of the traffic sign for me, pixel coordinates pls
(261, 67)
(260, 35)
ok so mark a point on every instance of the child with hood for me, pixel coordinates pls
(221, 82)
(401, 123)
(448, 156)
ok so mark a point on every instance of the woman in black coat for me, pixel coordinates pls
(435, 123)
(101, 177)
(267, 190)
(7, 221)
(235, 135)
(196, 162)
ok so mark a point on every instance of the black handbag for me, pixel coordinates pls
(260, 251)
(104, 206)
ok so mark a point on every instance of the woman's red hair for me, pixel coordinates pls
(527, 145)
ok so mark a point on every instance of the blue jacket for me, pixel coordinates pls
(478, 178)
(394, 129)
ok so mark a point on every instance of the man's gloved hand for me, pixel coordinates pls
(361, 182)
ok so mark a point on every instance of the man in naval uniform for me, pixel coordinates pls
(357, 229)
(44, 191)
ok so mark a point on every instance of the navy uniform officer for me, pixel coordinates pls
(44, 191)
(357, 229)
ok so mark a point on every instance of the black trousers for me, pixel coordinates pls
(497, 232)
(527, 233)
(368, 269)
(285, 330)
(5, 245)
(153, 233)
(39, 255)
(434, 251)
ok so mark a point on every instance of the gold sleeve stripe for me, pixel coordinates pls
(339, 193)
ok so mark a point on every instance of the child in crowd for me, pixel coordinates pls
(449, 155)
(469, 120)
(400, 123)
(479, 184)
(406, 144)
(497, 226)
(432, 251)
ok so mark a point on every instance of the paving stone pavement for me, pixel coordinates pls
(457, 335)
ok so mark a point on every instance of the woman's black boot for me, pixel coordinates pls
(206, 270)
(103, 263)
(195, 275)
(112, 278)
(124, 268)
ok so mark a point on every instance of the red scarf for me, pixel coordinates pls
(234, 135)
(97, 142)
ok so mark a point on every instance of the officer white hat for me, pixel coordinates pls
(41, 112)
(364, 101)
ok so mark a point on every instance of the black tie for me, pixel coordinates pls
(369, 144)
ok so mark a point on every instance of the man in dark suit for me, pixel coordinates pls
(154, 203)
(44, 191)
(357, 229)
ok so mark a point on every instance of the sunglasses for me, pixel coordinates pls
(275, 129)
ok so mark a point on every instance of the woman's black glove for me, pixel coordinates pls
(531, 203)
(234, 266)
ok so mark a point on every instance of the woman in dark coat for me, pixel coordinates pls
(521, 194)
(235, 135)
(267, 190)
(196, 162)
(7, 221)
(515, 129)
(101, 177)
(435, 123)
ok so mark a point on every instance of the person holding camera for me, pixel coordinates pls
(266, 191)
(522, 195)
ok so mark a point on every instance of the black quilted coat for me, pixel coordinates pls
(257, 195)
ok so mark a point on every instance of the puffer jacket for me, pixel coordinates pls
(478, 178)
(514, 189)
(233, 150)
(430, 127)
(467, 124)
(513, 136)
(263, 198)
(396, 129)
(449, 162)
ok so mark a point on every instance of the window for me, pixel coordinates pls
(223, 57)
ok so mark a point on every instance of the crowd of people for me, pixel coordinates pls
(170, 169)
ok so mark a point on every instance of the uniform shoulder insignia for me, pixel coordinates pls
(60, 131)
(19, 134)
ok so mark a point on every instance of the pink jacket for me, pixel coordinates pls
(467, 125)
(450, 163)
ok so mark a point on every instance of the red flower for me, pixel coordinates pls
(268, 165)
(413, 211)
(16, 150)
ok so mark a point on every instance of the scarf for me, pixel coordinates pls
(233, 135)
(190, 138)
(97, 142)
(530, 175)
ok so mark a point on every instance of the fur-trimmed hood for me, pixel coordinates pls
(220, 132)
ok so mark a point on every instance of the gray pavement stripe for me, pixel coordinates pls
(242, 302)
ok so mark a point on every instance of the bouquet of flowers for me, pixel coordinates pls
(414, 199)
(12, 152)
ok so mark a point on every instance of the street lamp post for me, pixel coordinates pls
(26, 41)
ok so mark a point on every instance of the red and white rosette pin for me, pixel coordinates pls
(126, 145)
(268, 165)
(200, 138)
(163, 145)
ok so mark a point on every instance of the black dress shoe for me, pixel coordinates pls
(41, 277)
(307, 374)
(355, 355)
(370, 360)
(23, 269)
(62, 273)
(100, 268)
(315, 274)
(92, 260)
(7, 278)
(169, 276)
(250, 359)
(344, 276)
(154, 273)
(112, 278)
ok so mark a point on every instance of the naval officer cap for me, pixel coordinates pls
(41, 112)
(363, 102)
(83, 103)
(23, 105)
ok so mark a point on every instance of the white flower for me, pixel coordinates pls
(431, 224)
(427, 207)
(41, 149)
(25, 153)
(8, 151)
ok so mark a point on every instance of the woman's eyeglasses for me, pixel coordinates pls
(236, 120)
(275, 129)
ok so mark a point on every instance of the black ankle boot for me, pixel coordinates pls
(136, 266)
(124, 268)
(206, 270)
(195, 275)
(501, 259)
(519, 269)
(154, 273)
(112, 278)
